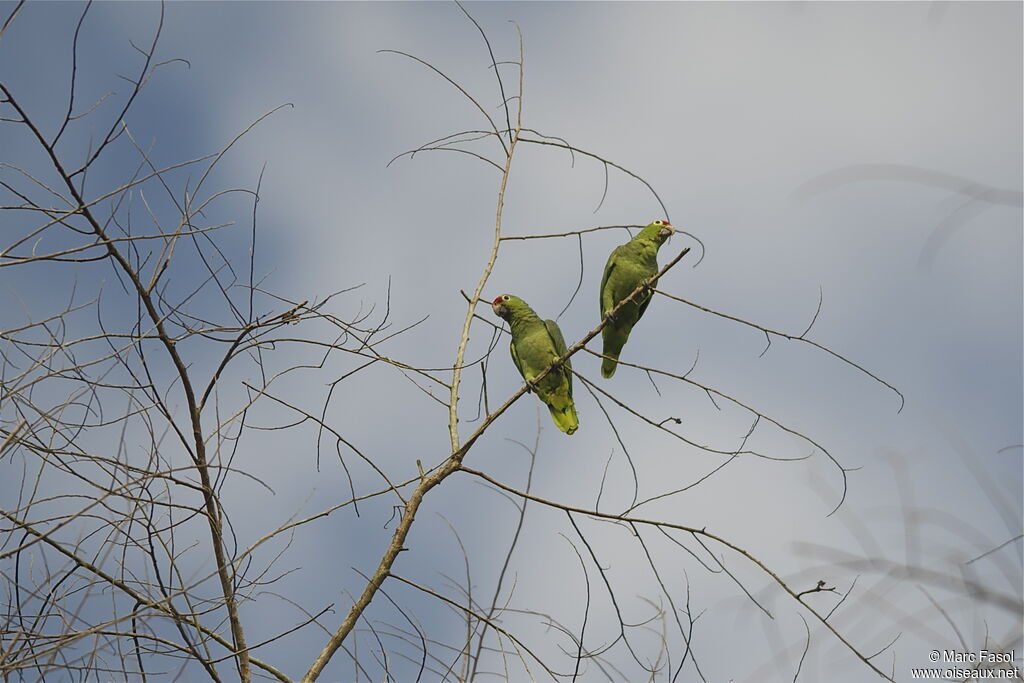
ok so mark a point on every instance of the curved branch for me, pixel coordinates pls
(791, 337)
(699, 532)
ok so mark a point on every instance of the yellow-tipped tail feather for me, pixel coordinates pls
(565, 420)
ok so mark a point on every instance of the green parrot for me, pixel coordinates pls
(628, 266)
(535, 344)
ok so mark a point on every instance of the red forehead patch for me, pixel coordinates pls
(497, 300)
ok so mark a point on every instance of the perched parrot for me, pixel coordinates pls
(535, 344)
(628, 266)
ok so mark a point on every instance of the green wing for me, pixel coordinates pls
(518, 363)
(608, 268)
(558, 340)
(646, 300)
(560, 348)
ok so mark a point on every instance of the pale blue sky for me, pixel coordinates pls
(740, 115)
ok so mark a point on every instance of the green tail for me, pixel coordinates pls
(565, 420)
(608, 365)
(614, 340)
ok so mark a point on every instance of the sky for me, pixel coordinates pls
(867, 154)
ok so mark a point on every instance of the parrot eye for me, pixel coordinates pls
(505, 298)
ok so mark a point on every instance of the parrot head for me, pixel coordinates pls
(664, 230)
(500, 306)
